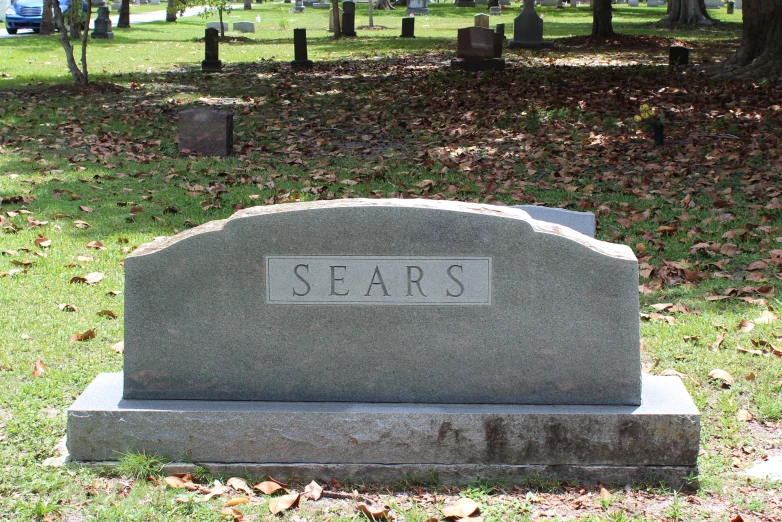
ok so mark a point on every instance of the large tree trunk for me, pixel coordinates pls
(124, 15)
(601, 18)
(171, 11)
(384, 5)
(47, 19)
(688, 12)
(760, 53)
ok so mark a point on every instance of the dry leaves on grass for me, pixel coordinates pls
(86, 336)
(374, 512)
(283, 503)
(722, 376)
(90, 279)
(463, 508)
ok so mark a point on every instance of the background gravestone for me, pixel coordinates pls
(300, 60)
(211, 62)
(348, 19)
(103, 25)
(208, 132)
(528, 29)
(408, 27)
(478, 49)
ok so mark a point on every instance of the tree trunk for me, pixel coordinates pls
(369, 8)
(79, 77)
(47, 19)
(601, 18)
(760, 53)
(222, 27)
(688, 12)
(384, 5)
(171, 11)
(335, 10)
(74, 15)
(124, 15)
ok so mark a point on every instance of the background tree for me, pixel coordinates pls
(687, 12)
(80, 76)
(384, 5)
(219, 7)
(760, 53)
(47, 19)
(335, 14)
(171, 10)
(124, 15)
(602, 15)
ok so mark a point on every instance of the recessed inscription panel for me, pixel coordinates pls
(380, 280)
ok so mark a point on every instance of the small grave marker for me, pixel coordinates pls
(103, 25)
(348, 19)
(300, 60)
(244, 27)
(481, 20)
(408, 27)
(678, 55)
(417, 7)
(208, 132)
(528, 29)
(478, 49)
(211, 62)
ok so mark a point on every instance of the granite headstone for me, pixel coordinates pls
(405, 336)
(208, 132)
(528, 29)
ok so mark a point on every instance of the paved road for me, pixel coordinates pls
(138, 18)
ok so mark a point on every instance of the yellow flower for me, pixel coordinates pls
(638, 119)
(644, 108)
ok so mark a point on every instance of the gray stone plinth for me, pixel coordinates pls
(382, 442)
(514, 44)
(583, 222)
(493, 64)
(216, 25)
(244, 27)
(391, 301)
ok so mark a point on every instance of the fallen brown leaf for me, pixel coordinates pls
(313, 491)
(374, 513)
(240, 485)
(283, 503)
(86, 336)
(746, 325)
(237, 501)
(743, 415)
(118, 347)
(721, 375)
(463, 508)
(38, 368)
(267, 487)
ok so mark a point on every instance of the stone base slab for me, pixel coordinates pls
(494, 64)
(516, 44)
(384, 442)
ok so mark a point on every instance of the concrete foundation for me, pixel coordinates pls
(387, 442)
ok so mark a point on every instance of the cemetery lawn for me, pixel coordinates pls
(87, 176)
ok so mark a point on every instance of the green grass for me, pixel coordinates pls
(154, 46)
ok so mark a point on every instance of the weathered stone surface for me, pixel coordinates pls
(607, 443)
(475, 42)
(583, 222)
(244, 27)
(208, 132)
(216, 25)
(546, 315)
(481, 20)
(770, 469)
(103, 25)
(211, 61)
(417, 7)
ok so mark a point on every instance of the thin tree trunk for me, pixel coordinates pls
(47, 19)
(124, 15)
(369, 8)
(688, 12)
(79, 78)
(601, 18)
(337, 29)
(222, 27)
(171, 11)
(84, 38)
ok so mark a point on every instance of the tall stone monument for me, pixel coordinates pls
(103, 25)
(405, 337)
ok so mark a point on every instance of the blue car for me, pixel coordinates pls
(26, 14)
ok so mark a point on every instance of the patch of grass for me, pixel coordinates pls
(140, 466)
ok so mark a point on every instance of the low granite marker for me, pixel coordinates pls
(406, 336)
(208, 132)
